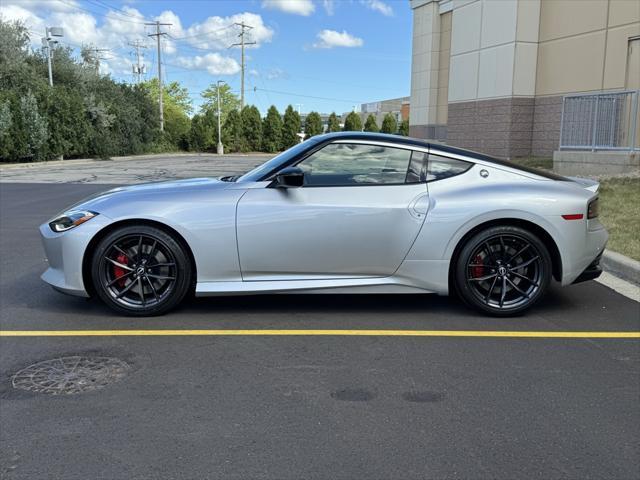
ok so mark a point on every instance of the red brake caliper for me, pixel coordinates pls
(119, 271)
(478, 270)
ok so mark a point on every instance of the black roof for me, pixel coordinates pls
(385, 137)
(418, 142)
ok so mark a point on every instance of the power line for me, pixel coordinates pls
(255, 89)
(112, 10)
(204, 33)
(98, 13)
(111, 7)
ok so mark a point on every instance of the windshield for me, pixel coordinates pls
(261, 172)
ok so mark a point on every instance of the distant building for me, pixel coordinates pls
(492, 75)
(323, 116)
(398, 107)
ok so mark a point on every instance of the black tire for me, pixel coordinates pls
(141, 271)
(503, 270)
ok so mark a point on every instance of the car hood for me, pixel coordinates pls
(99, 200)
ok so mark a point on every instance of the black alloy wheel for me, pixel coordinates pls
(141, 271)
(503, 270)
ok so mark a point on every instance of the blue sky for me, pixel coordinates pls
(346, 51)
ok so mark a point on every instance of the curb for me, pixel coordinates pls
(621, 266)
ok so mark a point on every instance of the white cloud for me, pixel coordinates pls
(276, 73)
(329, 6)
(79, 28)
(297, 7)
(115, 29)
(331, 39)
(33, 22)
(214, 63)
(379, 6)
(218, 33)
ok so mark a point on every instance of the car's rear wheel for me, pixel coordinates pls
(141, 271)
(503, 270)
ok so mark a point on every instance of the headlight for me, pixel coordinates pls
(71, 219)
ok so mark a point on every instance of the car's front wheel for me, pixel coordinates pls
(503, 270)
(141, 271)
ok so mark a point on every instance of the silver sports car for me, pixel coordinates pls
(339, 213)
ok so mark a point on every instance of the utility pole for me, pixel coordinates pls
(138, 69)
(97, 56)
(47, 42)
(220, 146)
(157, 35)
(243, 28)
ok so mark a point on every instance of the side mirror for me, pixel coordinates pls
(290, 177)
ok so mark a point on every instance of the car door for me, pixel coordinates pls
(357, 214)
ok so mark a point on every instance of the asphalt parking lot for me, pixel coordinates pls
(313, 406)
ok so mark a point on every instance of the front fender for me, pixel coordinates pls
(205, 221)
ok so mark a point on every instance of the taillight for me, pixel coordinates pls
(592, 209)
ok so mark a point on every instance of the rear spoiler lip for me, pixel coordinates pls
(586, 183)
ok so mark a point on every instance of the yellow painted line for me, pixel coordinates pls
(338, 333)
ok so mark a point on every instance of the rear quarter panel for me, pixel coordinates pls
(461, 203)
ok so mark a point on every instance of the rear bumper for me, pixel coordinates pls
(582, 249)
(592, 271)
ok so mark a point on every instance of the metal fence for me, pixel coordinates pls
(603, 121)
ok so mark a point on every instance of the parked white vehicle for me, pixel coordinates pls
(345, 212)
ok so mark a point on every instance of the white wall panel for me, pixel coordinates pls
(496, 71)
(498, 22)
(524, 75)
(463, 75)
(465, 34)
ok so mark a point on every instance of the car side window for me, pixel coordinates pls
(342, 164)
(440, 167)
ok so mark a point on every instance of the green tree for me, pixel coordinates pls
(334, 123)
(70, 132)
(6, 123)
(313, 125)
(176, 108)
(228, 100)
(290, 128)
(370, 125)
(252, 127)
(272, 130)
(84, 114)
(403, 129)
(203, 133)
(35, 126)
(389, 124)
(353, 123)
(232, 135)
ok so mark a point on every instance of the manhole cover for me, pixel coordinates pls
(69, 375)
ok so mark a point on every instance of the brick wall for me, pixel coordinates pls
(546, 126)
(501, 127)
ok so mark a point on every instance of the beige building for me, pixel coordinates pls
(492, 75)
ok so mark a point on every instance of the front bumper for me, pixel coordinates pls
(65, 253)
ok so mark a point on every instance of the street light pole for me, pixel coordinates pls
(47, 41)
(220, 145)
(49, 63)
